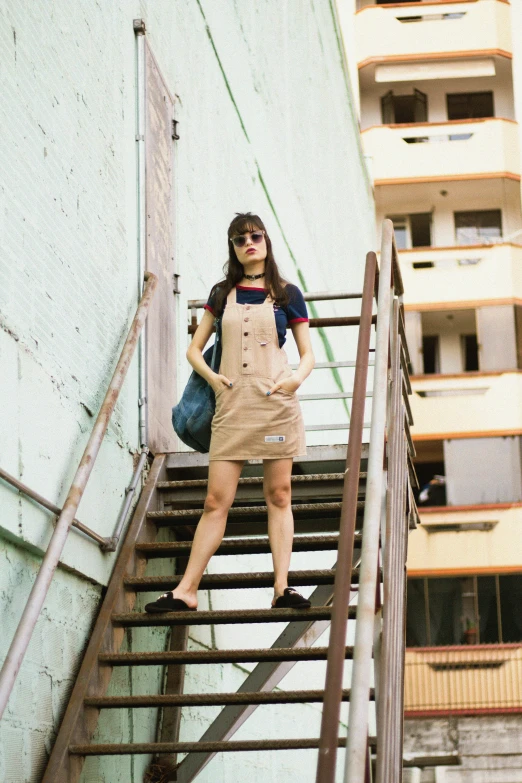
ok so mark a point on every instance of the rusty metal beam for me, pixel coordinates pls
(271, 654)
(343, 575)
(79, 722)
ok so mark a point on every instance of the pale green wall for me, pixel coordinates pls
(266, 124)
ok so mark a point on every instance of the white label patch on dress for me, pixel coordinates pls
(275, 438)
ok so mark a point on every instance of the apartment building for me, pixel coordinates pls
(439, 88)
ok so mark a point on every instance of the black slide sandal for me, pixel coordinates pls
(291, 599)
(167, 603)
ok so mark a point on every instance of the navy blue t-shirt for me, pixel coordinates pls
(292, 313)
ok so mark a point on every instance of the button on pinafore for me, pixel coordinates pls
(247, 424)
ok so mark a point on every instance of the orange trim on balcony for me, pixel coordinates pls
(421, 4)
(446, 178)
(430, 307)
(464, 375)
(460, 435)
(472, 507)
(484, 571)
(406, 58)
(465, 647)
(435, 248)
(397, 125)
(447, 711)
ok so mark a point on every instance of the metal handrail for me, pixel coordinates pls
(356, 750)
(386, 285)
(342, 586)
(318, 296)
(52, 556)
(31, 493)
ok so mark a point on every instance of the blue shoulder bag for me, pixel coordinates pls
(192, 416)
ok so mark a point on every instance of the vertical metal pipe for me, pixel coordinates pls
(139, 27)
(362, 661)
(52, 556)
(343, 573)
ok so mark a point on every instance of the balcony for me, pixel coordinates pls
(461, 274)
(426, 152)
(463, 680)
(479, 404)
(432, 31)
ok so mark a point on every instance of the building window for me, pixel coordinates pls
(469, 105)
(464, 610)
(479, 227)
(412, 230)
(402, 109)
(430, 354)
(469, 348)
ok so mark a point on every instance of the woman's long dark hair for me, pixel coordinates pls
(233, 269)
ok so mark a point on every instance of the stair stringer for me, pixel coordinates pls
(79, 722)
(264, 677)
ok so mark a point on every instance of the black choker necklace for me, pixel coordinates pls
(254, 277)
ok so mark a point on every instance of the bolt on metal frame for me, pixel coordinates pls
(54, 550)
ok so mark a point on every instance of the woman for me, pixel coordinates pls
(257, 410)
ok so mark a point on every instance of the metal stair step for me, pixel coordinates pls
(242, 546)
(121, 749)
(256, 480)
(313, 486)
(210, 699)
(231, 581)
(273, 655)
(224, 617)
(239, 511)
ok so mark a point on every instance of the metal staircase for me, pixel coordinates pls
(357, 506)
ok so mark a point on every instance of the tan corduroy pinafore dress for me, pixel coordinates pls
(247, 424)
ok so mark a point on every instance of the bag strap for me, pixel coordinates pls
(218, 337)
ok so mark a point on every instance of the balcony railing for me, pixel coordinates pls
(470, 679)
(426, 152)
(432, 30)
(462, 274)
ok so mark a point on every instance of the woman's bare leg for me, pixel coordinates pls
(223, 476)
(278, 496)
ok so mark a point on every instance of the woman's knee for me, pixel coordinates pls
(216, 501)
(279, 496)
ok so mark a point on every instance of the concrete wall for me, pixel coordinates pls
(489, 747)
(267, 124)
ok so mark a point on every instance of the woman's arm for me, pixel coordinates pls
(301, 332)
(195, 353)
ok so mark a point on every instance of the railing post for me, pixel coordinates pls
(364, 631)
(52, 556)
(343, 574)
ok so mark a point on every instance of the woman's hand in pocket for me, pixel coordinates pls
(289, 385)
(219, 382)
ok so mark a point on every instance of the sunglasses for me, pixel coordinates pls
(256, 237)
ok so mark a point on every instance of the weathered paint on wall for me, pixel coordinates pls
(489, 747)
(266, 124)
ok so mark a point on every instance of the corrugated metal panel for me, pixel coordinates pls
(161, 334)
(496, 336)
(483, 470)
(413, 328)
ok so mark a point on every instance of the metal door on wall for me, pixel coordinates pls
(483, 470)
(161, 323)
(496, 337)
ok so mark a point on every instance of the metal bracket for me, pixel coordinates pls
(140, 137)
(175, 130)
(175, 283)
(139, 26)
